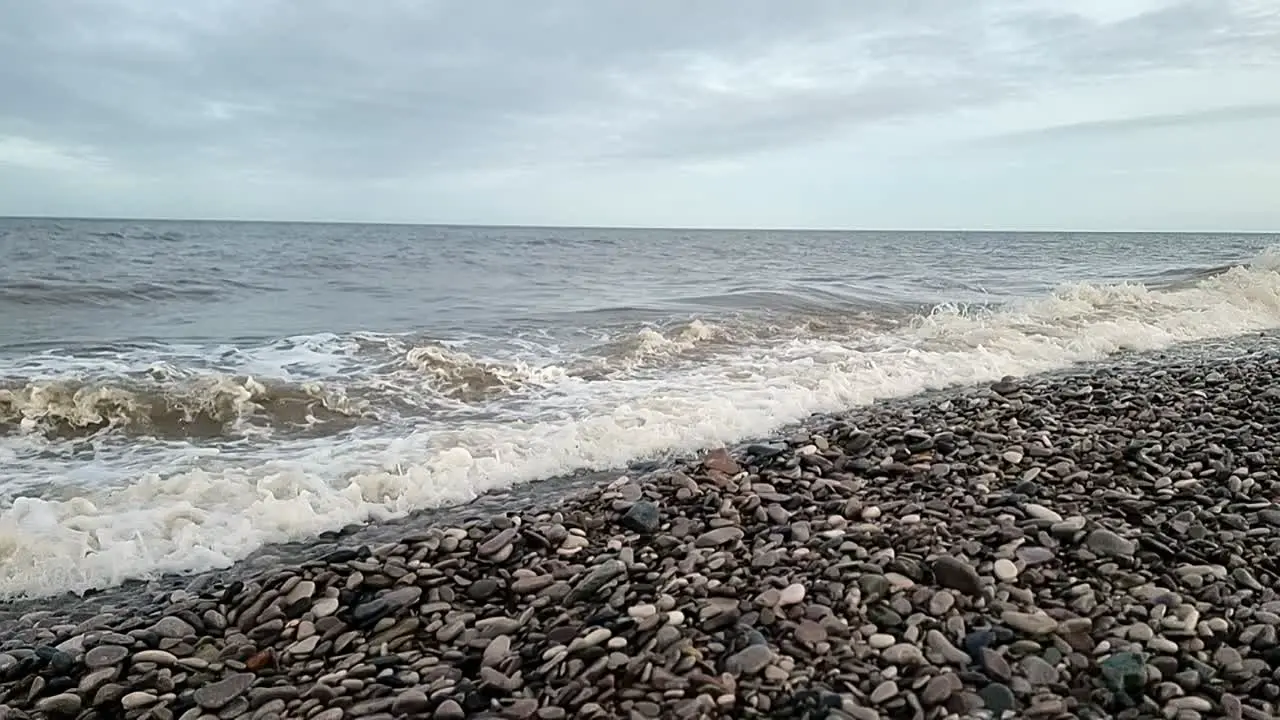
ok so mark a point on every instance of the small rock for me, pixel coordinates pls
(791, 594)
(483, 589)
(324, 607)
(449, 710)
(595, 580)
(883, 692)
(721, 461)
(1104, 542)
(642, 517)
(939, 689)
(218, 695)
(998, 698)
(956, 574)
(995, 664)
(903, 654)
(1040, 512)
(173, 627)
(137, 699)
(528, 584)
(304, 590)
(63, 705)
(881, 641)
(105, 655)
(1029, 623)
(1037, 671)
(305, 646)
(1125, 673)
(498, 542)
(159, 657)
(750, 660)
(410, 702)
(811, 632)
(390, 604)
(718, 537)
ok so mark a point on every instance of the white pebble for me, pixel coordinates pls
(1040, 512)
(135, 700)
(899, 581)
(1005, 569)
(880, 641)
(791, 594)
(325, 607)
(642, 612)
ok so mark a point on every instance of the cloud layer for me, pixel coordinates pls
(831, 112)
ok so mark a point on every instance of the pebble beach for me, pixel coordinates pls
(1100, 543)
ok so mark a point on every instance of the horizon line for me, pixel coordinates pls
(691, 228)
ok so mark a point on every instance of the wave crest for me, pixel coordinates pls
(208, 406)
(458, 376)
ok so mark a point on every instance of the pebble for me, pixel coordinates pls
(449, 710)
(1040, 512)
(173, 627)
(998, 699)
(1030, 623)
(410, 702)
(717, 537)
(957, 574)
(642, 517)
(903, 654)
(62, 705)
(883, 692)
(137, 699)
(881, 641)
(218, 695)
(749, 660)
(105, 655)
(940, 688)
(324, 607)
(791, 595)
(1106, 542)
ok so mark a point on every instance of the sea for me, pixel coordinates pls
(177, 395)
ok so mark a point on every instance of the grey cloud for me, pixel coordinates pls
(354, 92)
(1241, 113)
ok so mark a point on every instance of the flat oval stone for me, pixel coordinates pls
(218, 695)
(956, 574)
(719, 536)
(105, 655)
(159, 657)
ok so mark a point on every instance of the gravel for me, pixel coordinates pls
(1095, 544)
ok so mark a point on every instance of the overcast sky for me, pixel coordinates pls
(1114, 114)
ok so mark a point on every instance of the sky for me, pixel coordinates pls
(911, 114)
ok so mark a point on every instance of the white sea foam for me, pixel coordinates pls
(208, 517)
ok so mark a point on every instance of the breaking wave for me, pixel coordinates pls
(210, 514)
(456, 375)
(202, 407)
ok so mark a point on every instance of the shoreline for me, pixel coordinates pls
(1031, 546)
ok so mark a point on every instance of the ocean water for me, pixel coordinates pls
(175, 395)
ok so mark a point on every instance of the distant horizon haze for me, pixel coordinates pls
(673, 228)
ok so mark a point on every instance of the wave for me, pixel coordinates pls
(207, 517)
(208, 406)
(456, 375)
(71, 293)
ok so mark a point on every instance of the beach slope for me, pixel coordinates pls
(1099, 543)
